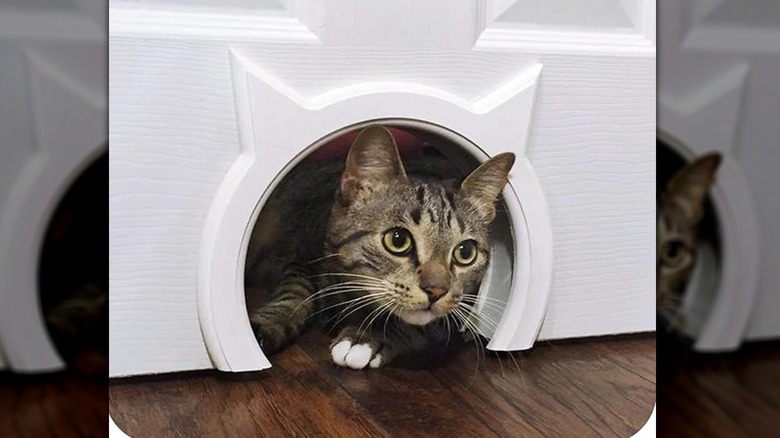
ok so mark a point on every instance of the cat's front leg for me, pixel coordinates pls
(359, 349)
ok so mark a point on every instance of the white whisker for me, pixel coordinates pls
(349, 303)
(379, 310)
(347, 274)
(323, 258)
(363, 305)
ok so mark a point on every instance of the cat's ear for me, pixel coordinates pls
(688, 188)
(373, 160)
(481, 188)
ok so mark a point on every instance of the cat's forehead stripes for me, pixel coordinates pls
(674, 223)
(436, 204)
(421, 195)
(432, 217)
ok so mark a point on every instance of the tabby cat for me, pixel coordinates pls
(393, 254)
(680, 212)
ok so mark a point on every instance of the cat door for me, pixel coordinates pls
(68, 122)
(719, 296)
(278, 128)
(52, 267)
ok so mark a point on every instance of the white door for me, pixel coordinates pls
(718, 66)
(211, 100)
(52, 125)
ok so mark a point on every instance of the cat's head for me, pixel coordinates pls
(419, 246)
(680, 211)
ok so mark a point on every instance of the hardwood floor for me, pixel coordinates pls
(596, 387)
(72, 403)
(729, 395)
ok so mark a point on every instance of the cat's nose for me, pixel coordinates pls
(434, 279)
(434, 293)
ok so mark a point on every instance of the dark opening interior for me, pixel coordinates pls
(73, 269)
(413, 142)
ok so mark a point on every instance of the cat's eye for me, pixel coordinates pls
(465, 253)
(673, 252)
(398, 241)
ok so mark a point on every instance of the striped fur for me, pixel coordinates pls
(678, 218)
(328, 225)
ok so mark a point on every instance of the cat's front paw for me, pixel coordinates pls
(356, 356)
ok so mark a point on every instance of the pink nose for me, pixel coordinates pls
(434, 293)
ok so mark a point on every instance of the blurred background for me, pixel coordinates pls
(718, 90)
(53, 218)
(718, 340)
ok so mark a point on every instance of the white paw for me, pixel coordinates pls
(376, 362)
(356, 356)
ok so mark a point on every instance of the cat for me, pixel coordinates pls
(679, 215)
(395, 253)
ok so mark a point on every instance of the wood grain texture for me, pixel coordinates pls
(599, 179)
(561, 389)
(171, 139)
(73, 403)
(173, 135)
(735, 394)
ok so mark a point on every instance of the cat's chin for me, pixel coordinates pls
(417, 317)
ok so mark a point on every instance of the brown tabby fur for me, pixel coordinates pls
(679, 214)
(325, 225)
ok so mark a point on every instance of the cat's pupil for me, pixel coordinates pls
(465, 253)
(399, 239)
(673, 250)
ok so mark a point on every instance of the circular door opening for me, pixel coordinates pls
(426, 150)
(687, 313)
(73, 266)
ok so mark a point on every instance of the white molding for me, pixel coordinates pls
(724, 38)
(268, 102)
(31, 26)
(646, 21)
(527, 37)
(700, 9)
(512, 38)
(213, 26)
(729, 81)
(496, 8)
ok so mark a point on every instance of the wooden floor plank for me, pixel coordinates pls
(506, 379)
(636, 355)
(437, 401)
(554, 391)
(735, 394)
(72, 403)
(612, 400)
(291, 399)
